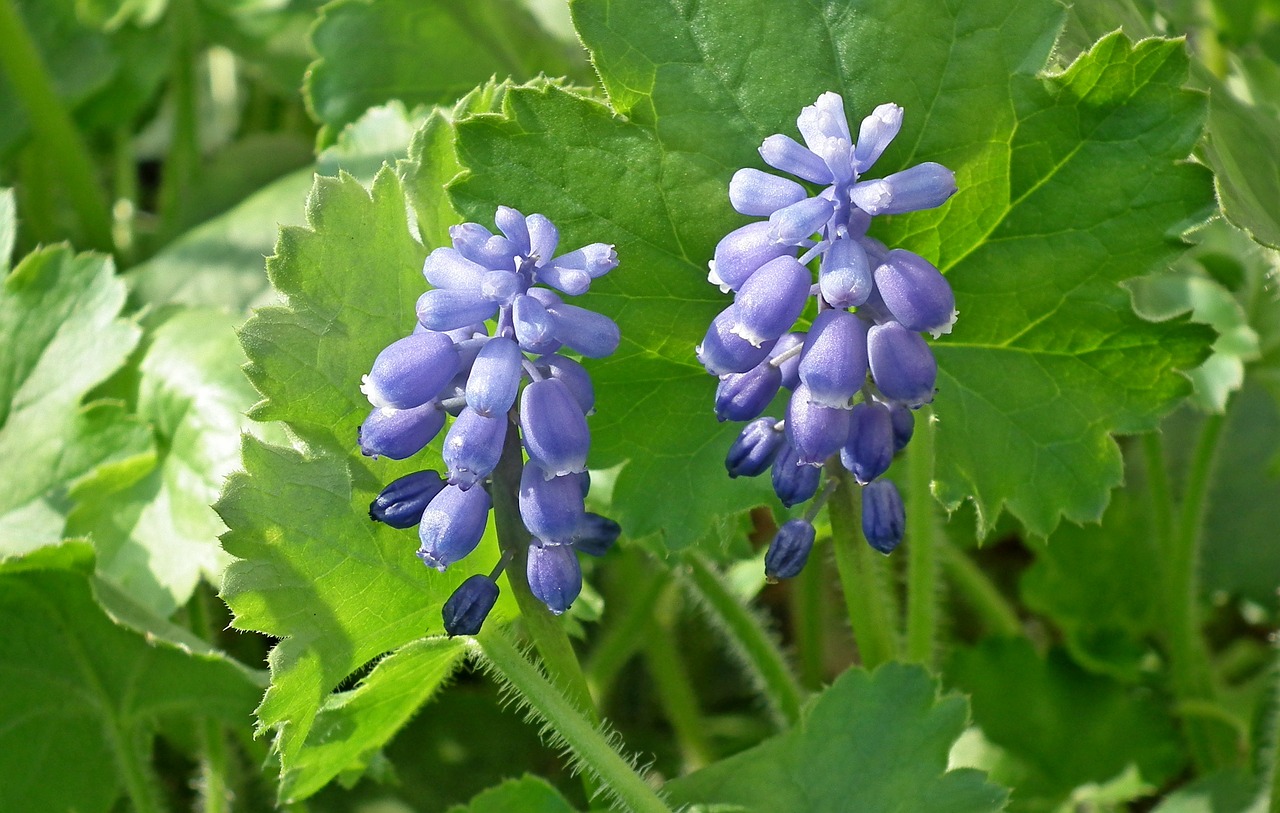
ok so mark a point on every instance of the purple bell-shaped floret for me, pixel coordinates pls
(449, 268)
(402, 502)
(844, 277)
(595, 534)
(465, 611)
(875, 134)
(904, 424)
(792, 224)
(901, 364)
(833, 365)
(551, 507)
(771, 300)
(723, 350)
(883, 518)
(555, 577)
(495, 377)
(410, 372)
(743, 396)
(452, 525)
(759, 194)
(473, 446)
(553, 427)
(815, 430)
(869, 450)
(923, 186)
(785, 153)
(445, 309)
(574, 376)
(916, 293)
(535, 327)
(592, 334)
(755, 448)
(399, 433)
(792, 482)
(789, 550)
(544, 237)
(740, 252)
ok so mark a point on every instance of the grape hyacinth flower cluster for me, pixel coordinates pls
(490, 349)
(862, 367)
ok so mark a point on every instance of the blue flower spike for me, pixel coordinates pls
(495, 345)
(854, 377)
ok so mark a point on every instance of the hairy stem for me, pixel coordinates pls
(922, 562)
(982, 596)
(52, 125)
(866, 596)
(807, 623)
(1211, 744)
(749, 639)
(215, 793)
(133, 761)
(674, 689)
(580, 734)
(182, 163)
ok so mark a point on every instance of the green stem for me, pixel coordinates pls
(748, 638)
(133, 759)
(970, 582)
(53, 127)
(125, 193)
(865, 594)
(922, 562)
(675, 691)
(622, 637)
(1160, 507)
(182, 164)
(580, 734)
(548, 634)
(1270, 756)
(215, 793)
(807, 625)
(1211, 745)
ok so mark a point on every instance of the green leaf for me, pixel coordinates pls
(353, 725)
(155, 533)
(870, 743)
(1242, 146)
(1047, 359)
(339, 589)
(82, 691)
(529, 794)
(59, 313)
(1062, 726)
(422, 52)
(8, 228)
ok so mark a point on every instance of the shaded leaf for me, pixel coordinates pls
(528, 793)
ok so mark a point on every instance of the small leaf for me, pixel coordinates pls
(528, 794)
(870, 743)
(1242, 148)
(84, 695)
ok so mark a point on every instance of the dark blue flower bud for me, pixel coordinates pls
(785, 153)
(792, 482)
(444, 309)
(799, 221)
(916, 293)
(815, 430)
(399, 433)
(875, 135)
(743, 396)
(574, 376)
(411, 371)
(740, 252)
(844, 277)
(473, 446)
(723, 350)
(904, 425)
(755, 448)
(452, 525)
(883, 519)
(790, 368)
(869, 450)
(901, 364)
(789, 550)
(495, 377)
(555, 577)
(448, 268)
(553, 427)
(596, 534)
(760, 194)
(551, 507)
(771, 300)
(465, 611)
(535, 328)
(833, 365)
(922, 186)
(402, 502)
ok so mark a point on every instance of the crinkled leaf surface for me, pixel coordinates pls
(423, 52)
(1069, 184)
(59, 314)
(870, 742)
(1063, 726)
(155, 534)
(79, 688)
(528, 794)
(339, 589)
